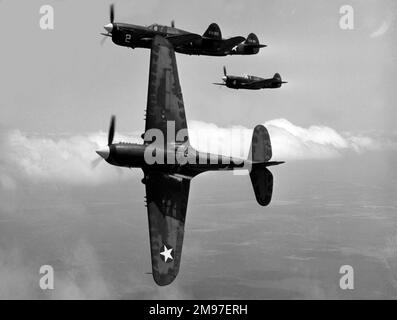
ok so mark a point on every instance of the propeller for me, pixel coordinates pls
(105, 151)
(112, 13)
(109, 26)
(224, 78)
(111, 130)
(103, 40)
(95, 162)
(173, 23)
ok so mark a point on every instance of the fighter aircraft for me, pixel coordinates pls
(169, 162)
(210, 43)
(250, 82)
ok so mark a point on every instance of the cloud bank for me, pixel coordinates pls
(289, 142)
(84, 279)
(68, 158)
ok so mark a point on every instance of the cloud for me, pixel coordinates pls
(293, 142)
(77, 276)
(68, 158)
(84, 280)
(289, 141)
(15, 278)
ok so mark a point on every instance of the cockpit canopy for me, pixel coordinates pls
(158, 28)
(253, 78)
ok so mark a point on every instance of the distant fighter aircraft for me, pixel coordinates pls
(250, 82)
(167, 180)
(210, 43)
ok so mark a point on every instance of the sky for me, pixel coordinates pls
(333, 200)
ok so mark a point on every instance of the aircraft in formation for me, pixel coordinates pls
(167, 180)
(210, 43)
(250, 82)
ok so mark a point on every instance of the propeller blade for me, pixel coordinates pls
(173, 23)
(103, 40)
(111, 13)
(95, 162)
(224, 71)
(111, 130)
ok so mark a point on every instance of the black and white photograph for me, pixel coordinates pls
(220, 150)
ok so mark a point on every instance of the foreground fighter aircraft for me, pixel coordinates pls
(169, 162)
(210, 43)
(250, 82)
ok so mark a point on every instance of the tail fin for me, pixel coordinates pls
(250, 46)
(261, 147)
(277, 76)
(252, 39)
(252, 43)
(278, 80)
(213, 32)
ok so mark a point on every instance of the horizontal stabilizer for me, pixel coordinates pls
(255, 45)
(273, 163)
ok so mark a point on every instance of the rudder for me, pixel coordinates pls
(253, 43)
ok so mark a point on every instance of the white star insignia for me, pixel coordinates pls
(167, 253)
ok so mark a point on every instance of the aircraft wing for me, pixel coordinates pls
(167, 198)
(230, 43)
(181, 39)
(164, 102)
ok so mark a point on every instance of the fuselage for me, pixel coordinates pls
(251, 82)
(205, 46)
(178, 158)
(135, 36)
